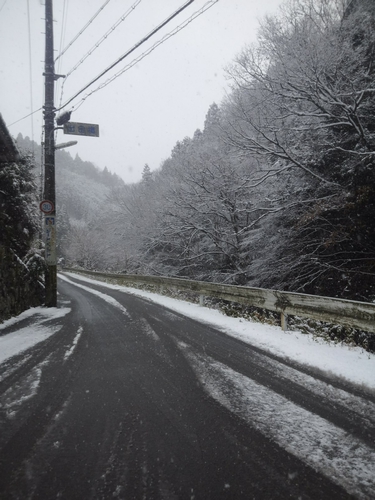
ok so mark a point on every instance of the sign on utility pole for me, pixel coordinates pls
(84, 129)
(49, 226)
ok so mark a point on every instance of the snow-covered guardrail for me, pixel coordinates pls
(350, 313)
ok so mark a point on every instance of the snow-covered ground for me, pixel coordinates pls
(28, 336)
(349, 363)
(330, 450)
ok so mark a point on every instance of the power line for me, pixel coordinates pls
(30, 73)
(97, 44)
(62, 39)
(105, 36)
(148, 51)
(63, 31)
(24, 117)
(158, 28)
(63, 26)
(1, 8)
(135, 61)
(83, 29)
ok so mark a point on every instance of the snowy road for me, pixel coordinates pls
(113, 396)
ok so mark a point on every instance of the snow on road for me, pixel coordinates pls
(350, 363)
(12, 399)
(28, 336)
(346, 460)
(364, 409)
(103, 296)
(70, 351)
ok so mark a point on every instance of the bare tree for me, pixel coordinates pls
(304, 94)
(303, 101)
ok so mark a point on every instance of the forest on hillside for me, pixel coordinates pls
(276, 191)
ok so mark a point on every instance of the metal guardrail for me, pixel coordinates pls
(349, 313)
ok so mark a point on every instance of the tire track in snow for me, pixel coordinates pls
(103, 296)
(24, 338)
(364, 410)
(12, 399)
(70, 351)
(331, 451)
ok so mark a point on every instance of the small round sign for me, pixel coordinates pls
(46, 206)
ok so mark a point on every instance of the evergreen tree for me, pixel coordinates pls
(21, 262)
(18, 206)
(146, 174)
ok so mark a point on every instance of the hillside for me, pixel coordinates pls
(82, 192)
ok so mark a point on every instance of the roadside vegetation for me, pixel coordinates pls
(21, 260)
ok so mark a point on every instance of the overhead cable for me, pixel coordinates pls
(97, 44)
(148, 51)
(1, 8)
(24, 117)
(30, 73)
(104, 37)
(142, 41)
(63, 30)
(62, 39)
(83, 29)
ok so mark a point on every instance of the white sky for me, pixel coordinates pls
(143, 113)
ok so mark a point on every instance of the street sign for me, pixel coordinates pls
(46, 206)
(84, 129)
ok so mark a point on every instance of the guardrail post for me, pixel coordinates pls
(201, 300)
(284, 321)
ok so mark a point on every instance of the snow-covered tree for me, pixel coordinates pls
(303, 104)
(304, 94)
(146, 174)
(18, 209)
(21, 263)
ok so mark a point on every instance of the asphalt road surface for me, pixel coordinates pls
(129, 400)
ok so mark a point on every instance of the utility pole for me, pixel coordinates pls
(49, 220)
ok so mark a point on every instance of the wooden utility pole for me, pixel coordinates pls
(49, 229)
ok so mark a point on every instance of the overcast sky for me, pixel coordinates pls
(146, 110)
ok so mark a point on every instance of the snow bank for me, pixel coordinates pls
(24, 338)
